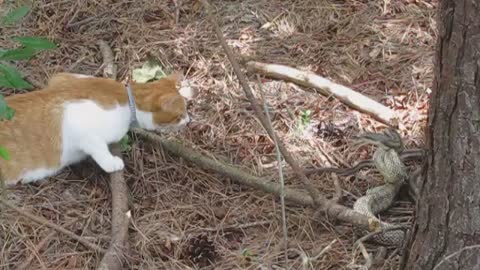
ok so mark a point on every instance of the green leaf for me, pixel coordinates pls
(4, 153)
(37, 43)
(149, 71)
(125, 144)
(18, 54)
(14, 77)
(10, 113)
(6, 112)
(3, 108)
(15, 15)
(5, 83)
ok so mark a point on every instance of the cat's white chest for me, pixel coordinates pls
(87, 128)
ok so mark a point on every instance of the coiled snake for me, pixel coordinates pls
(394, 172)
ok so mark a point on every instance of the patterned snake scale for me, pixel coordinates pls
(394, 172)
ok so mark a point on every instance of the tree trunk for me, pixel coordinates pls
(447, 230)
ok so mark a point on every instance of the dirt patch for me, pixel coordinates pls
(180, 213)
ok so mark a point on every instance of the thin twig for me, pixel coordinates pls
(280, 172)
(84, 21)
(455, 254)
(40, 245)
(366, 256)
(231, 227)
(240, 176)
(324, 250)
(316, 196)
(332, 209)
(47, 223)
(338, 189)
(306, 260)
(120, 213)
(215, 164)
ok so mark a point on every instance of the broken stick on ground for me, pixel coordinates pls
(113, 258)
(327, 88)
(331, 208)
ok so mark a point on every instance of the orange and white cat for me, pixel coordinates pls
(77, 116)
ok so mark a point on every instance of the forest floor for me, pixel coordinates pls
(383, 49)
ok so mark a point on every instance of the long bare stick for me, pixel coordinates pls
(120, 214)
(201, 160)
(47, 223)
(214, 164)
(332, 209)
(316, 196)
(327, 88)
(280, 174)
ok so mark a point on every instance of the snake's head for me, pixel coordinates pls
(389, 139)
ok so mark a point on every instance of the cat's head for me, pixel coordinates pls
(162, 104)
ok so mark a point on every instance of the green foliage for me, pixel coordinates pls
(148, 72)
(15, 15)
(9, 76)
(6, 113)
(18, 54)
(125, 144)
(36, 43)
(305, 117)
(303, 121)
(4, 153)
(31, 45)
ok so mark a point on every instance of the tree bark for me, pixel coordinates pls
(447, 229)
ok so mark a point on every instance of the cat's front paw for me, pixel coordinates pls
(114, 164)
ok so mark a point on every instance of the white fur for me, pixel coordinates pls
(34, 175)
(81, 76)
(186, 90)
(88, 129)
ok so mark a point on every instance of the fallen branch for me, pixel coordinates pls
(241, 177)
(332, 209)
(280, 174)
(43, 221)
(327, 88)
(317, 198)
(120, 214)
(214, 164)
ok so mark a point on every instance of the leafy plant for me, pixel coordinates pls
(9, 76)
(15, 15)
(30, 46)
(125, 144)
(6, 113)
(305, 117)
(148, 72)
(303, 121)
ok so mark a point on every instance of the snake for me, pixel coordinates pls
(387, 160)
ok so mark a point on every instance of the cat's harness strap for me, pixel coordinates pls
(131, 104)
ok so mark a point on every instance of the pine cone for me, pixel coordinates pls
(201, 251)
